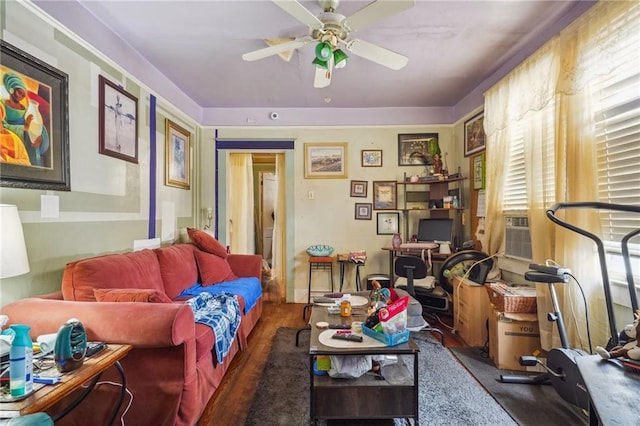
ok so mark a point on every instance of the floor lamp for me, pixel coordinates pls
(13, 251)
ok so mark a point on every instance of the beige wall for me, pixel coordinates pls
(329, 217)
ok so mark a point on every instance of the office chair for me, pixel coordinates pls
(413, 268)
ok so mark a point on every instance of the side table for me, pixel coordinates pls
(46, 396)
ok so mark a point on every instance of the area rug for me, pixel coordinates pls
(528, 404)
(448, 394)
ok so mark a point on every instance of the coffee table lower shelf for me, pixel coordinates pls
(367, 397)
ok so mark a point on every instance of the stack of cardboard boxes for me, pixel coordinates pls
(513, 325)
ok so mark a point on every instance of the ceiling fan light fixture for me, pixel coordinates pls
(323, 51)
(340, 58)
(320, 63)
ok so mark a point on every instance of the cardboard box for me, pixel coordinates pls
(512, 335)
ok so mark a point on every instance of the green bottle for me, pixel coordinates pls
(21, 361)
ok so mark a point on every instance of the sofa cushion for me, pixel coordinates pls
(205, 242)
(138, 269)
(130, 295)
(213, 269)
(178, 267)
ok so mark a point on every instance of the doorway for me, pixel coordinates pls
(282, 254)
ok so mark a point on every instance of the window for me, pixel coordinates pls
(617, 131)
(608, 66)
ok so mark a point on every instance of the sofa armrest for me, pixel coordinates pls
(143, 325)
(246, 265)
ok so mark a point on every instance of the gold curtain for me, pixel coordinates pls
(549, 98)
(240, 204)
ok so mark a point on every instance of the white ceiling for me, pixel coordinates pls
(452, 47)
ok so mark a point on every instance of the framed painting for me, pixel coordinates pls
(388, 223)
(325, 160)
(417, 149)
(177, 153)
(474, 135)
(385, 195)
(478, 171)
(371, 158)
(363, 211)
(118, 121)
(34, 122)
(359, 188)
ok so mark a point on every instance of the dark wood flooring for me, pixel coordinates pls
(231, 402)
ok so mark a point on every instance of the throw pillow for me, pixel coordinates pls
(130, 295)
(213, 269)
(205, 242)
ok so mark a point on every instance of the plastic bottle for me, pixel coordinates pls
(455, 202)
(21, 361)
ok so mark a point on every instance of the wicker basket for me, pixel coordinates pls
(505, 298)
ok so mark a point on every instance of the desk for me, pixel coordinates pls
(393, 252)
(613, 392)
(48, 395)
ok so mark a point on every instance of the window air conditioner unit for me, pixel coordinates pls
(517, 238)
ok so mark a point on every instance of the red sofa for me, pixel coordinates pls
(172, 370)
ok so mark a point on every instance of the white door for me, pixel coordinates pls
(269, 191)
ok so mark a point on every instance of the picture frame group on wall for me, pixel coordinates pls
(359, 188)
(388, 223)
(474, 136)
(363, 211)
(118, 121)
(177, 154)
(371, 158)
(325, 160)
(35, 151)
(385, 195)
(417, 149)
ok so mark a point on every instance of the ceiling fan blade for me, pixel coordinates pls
(299, 12)
(375, 12)
(377, 54)
(323, 76)
(278, 48)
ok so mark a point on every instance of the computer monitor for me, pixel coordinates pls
(430, 230)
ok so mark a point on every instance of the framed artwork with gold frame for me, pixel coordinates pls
(177, 155)
(325, 160)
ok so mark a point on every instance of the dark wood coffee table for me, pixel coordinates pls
(367, 397)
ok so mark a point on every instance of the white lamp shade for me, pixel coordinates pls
(13, 252)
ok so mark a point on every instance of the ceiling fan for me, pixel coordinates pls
(330, 30)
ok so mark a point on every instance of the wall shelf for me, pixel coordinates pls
(434, 191)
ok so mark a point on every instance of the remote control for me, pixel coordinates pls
(340, 326)
(349, 337)
(94, 348)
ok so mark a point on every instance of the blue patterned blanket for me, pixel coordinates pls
(248, 287)
(221, 312)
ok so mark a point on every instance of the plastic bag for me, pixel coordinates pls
(349, 366)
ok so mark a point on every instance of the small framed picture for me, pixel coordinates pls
(474, 135)
(478, 171)
(363, 211)
(177, 154)
(359, 188)
(118, 121)
(385, 195)
(388, 223)
(371, 158)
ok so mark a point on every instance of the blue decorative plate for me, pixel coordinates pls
(320, 250)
